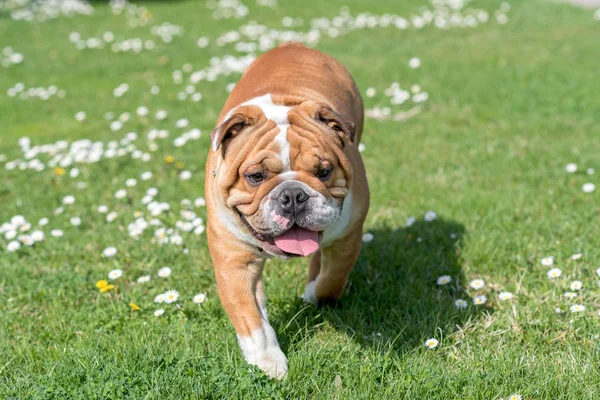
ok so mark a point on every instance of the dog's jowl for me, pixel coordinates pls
(285, 179)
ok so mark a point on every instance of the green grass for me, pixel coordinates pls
(510, 105)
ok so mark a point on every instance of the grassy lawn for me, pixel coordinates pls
(510, 105)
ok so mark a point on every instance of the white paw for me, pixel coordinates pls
(309, 293)
(273, 362)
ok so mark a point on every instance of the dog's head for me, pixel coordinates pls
(283, 172)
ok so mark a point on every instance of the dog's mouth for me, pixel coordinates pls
(296, 241)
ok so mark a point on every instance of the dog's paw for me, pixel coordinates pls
(273, 362)
(309, 295)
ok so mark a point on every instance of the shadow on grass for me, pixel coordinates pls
(392, 297)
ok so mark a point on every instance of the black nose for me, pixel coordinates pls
(292, 200)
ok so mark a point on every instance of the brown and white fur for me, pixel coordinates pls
(294, 121)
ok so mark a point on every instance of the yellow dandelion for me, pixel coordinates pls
(107, 288)
(169, 159)
(58, 171)
(101, 283)
(134, 306)
(179, 165)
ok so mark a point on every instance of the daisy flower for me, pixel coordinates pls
(588, 188)
(56, 233)
(13, 246)
(171, 296)
(514, 396)
(444, 280)
(577, 308)
(43, 222)
(570, 168)
(143, 279)
(115, 274)
(370, 92)
(505, 295)
(199, 298)
(38, 236)
(59, 211)
(75, 221)
(176, 240)
(142, 111)
(570, 295)
(554, 273)
(199, 230)
(576, 285)
(160, 298)
(130, 182)
(414, 62)
(460, 304)
(367, 237)
(430, 216)
(185, 175)
(410, 221)
(152, 192)
(576, 257)
(598, 271)
(159, 312)
(431, 343)
(120, 194)
(479, 300)
(110, 217)
(80, 116)
(69, 200)
(200, 202)
(109, 251)
(477, 284)
(102, 209)
(548, 261)
(361, 147)
(146, 176)
(164, 272)
(26, 240)
(10, 235)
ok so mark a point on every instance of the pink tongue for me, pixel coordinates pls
(298, 241)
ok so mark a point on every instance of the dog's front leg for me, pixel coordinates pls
(239, 282)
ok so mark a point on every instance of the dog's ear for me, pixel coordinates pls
(227, 130)
(344, 129)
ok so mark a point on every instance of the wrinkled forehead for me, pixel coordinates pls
(275, 112)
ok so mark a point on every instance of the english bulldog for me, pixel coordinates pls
(284, 178)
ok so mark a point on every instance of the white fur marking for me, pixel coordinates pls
(262, 349)
(337, 230)
(309, 295)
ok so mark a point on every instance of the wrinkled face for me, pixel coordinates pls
(283, 171)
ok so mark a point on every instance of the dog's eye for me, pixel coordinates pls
(256, 178)
(324, 173)
(335, 126)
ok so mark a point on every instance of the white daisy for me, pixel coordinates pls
(460, 304)
(102, 209)
(570, 168)
(577, 308)
(176, 240)
(591, 171)
(160, 298)
(164, 272)
(367, 237)
(59, 211)
(598, 271)
(161, 114)
(505, 295)
(38, 236)
(361, 147)
(75, 221)
(199, 298)
(130, 182)
(142, 111)
(159, 312)
(576, 285)
(185, 175)
(554, 273)
(80, 116)
(410, 221)
(171, 296)
(10, 235)
(115, 274)
(514, 396)
(548, 261)
(570, 295)
(146, 176)
(431, 343)
(27, 240)
(576, 257)
(143, 279)
(43, 222)
(200, 202)
(444, 280)
(109, 252)
(111, 216)
(120, 194)
(199, 230)
(69, 200)
(370, 92)
(414, 62)
(588, 188)
(430, 216)
(479, 300)
(182, 123)
(13, 246)
(56, 233)
(477, 284)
